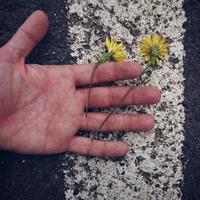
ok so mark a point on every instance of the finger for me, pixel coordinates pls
(109, 96)
(28, 35)
(111, 71)
(88, 146)
(118, 122)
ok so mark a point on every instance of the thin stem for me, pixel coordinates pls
(121, 101)
(90, 86)
(114, 109)
(103, 58)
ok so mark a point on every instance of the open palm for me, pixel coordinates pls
(42, 107)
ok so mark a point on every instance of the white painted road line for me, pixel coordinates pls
(152, 169)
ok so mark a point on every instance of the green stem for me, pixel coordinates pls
(103, 58)
(115, 108)
(121, 101)
(90, 86)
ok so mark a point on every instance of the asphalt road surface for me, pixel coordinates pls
(66, 176)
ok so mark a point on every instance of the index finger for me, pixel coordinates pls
(110, 71)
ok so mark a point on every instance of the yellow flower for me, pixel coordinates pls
(153, 48)
(115, 49)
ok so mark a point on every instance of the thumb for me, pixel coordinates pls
(28, 35)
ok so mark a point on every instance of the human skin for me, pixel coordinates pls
(42, 106)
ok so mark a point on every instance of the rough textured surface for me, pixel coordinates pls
(34, 177)
(152, 169)
(191, 148)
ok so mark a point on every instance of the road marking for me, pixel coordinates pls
(152, 169)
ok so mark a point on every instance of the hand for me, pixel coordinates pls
(41, 108)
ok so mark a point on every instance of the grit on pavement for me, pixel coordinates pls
(152, 169)
(162, 164)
